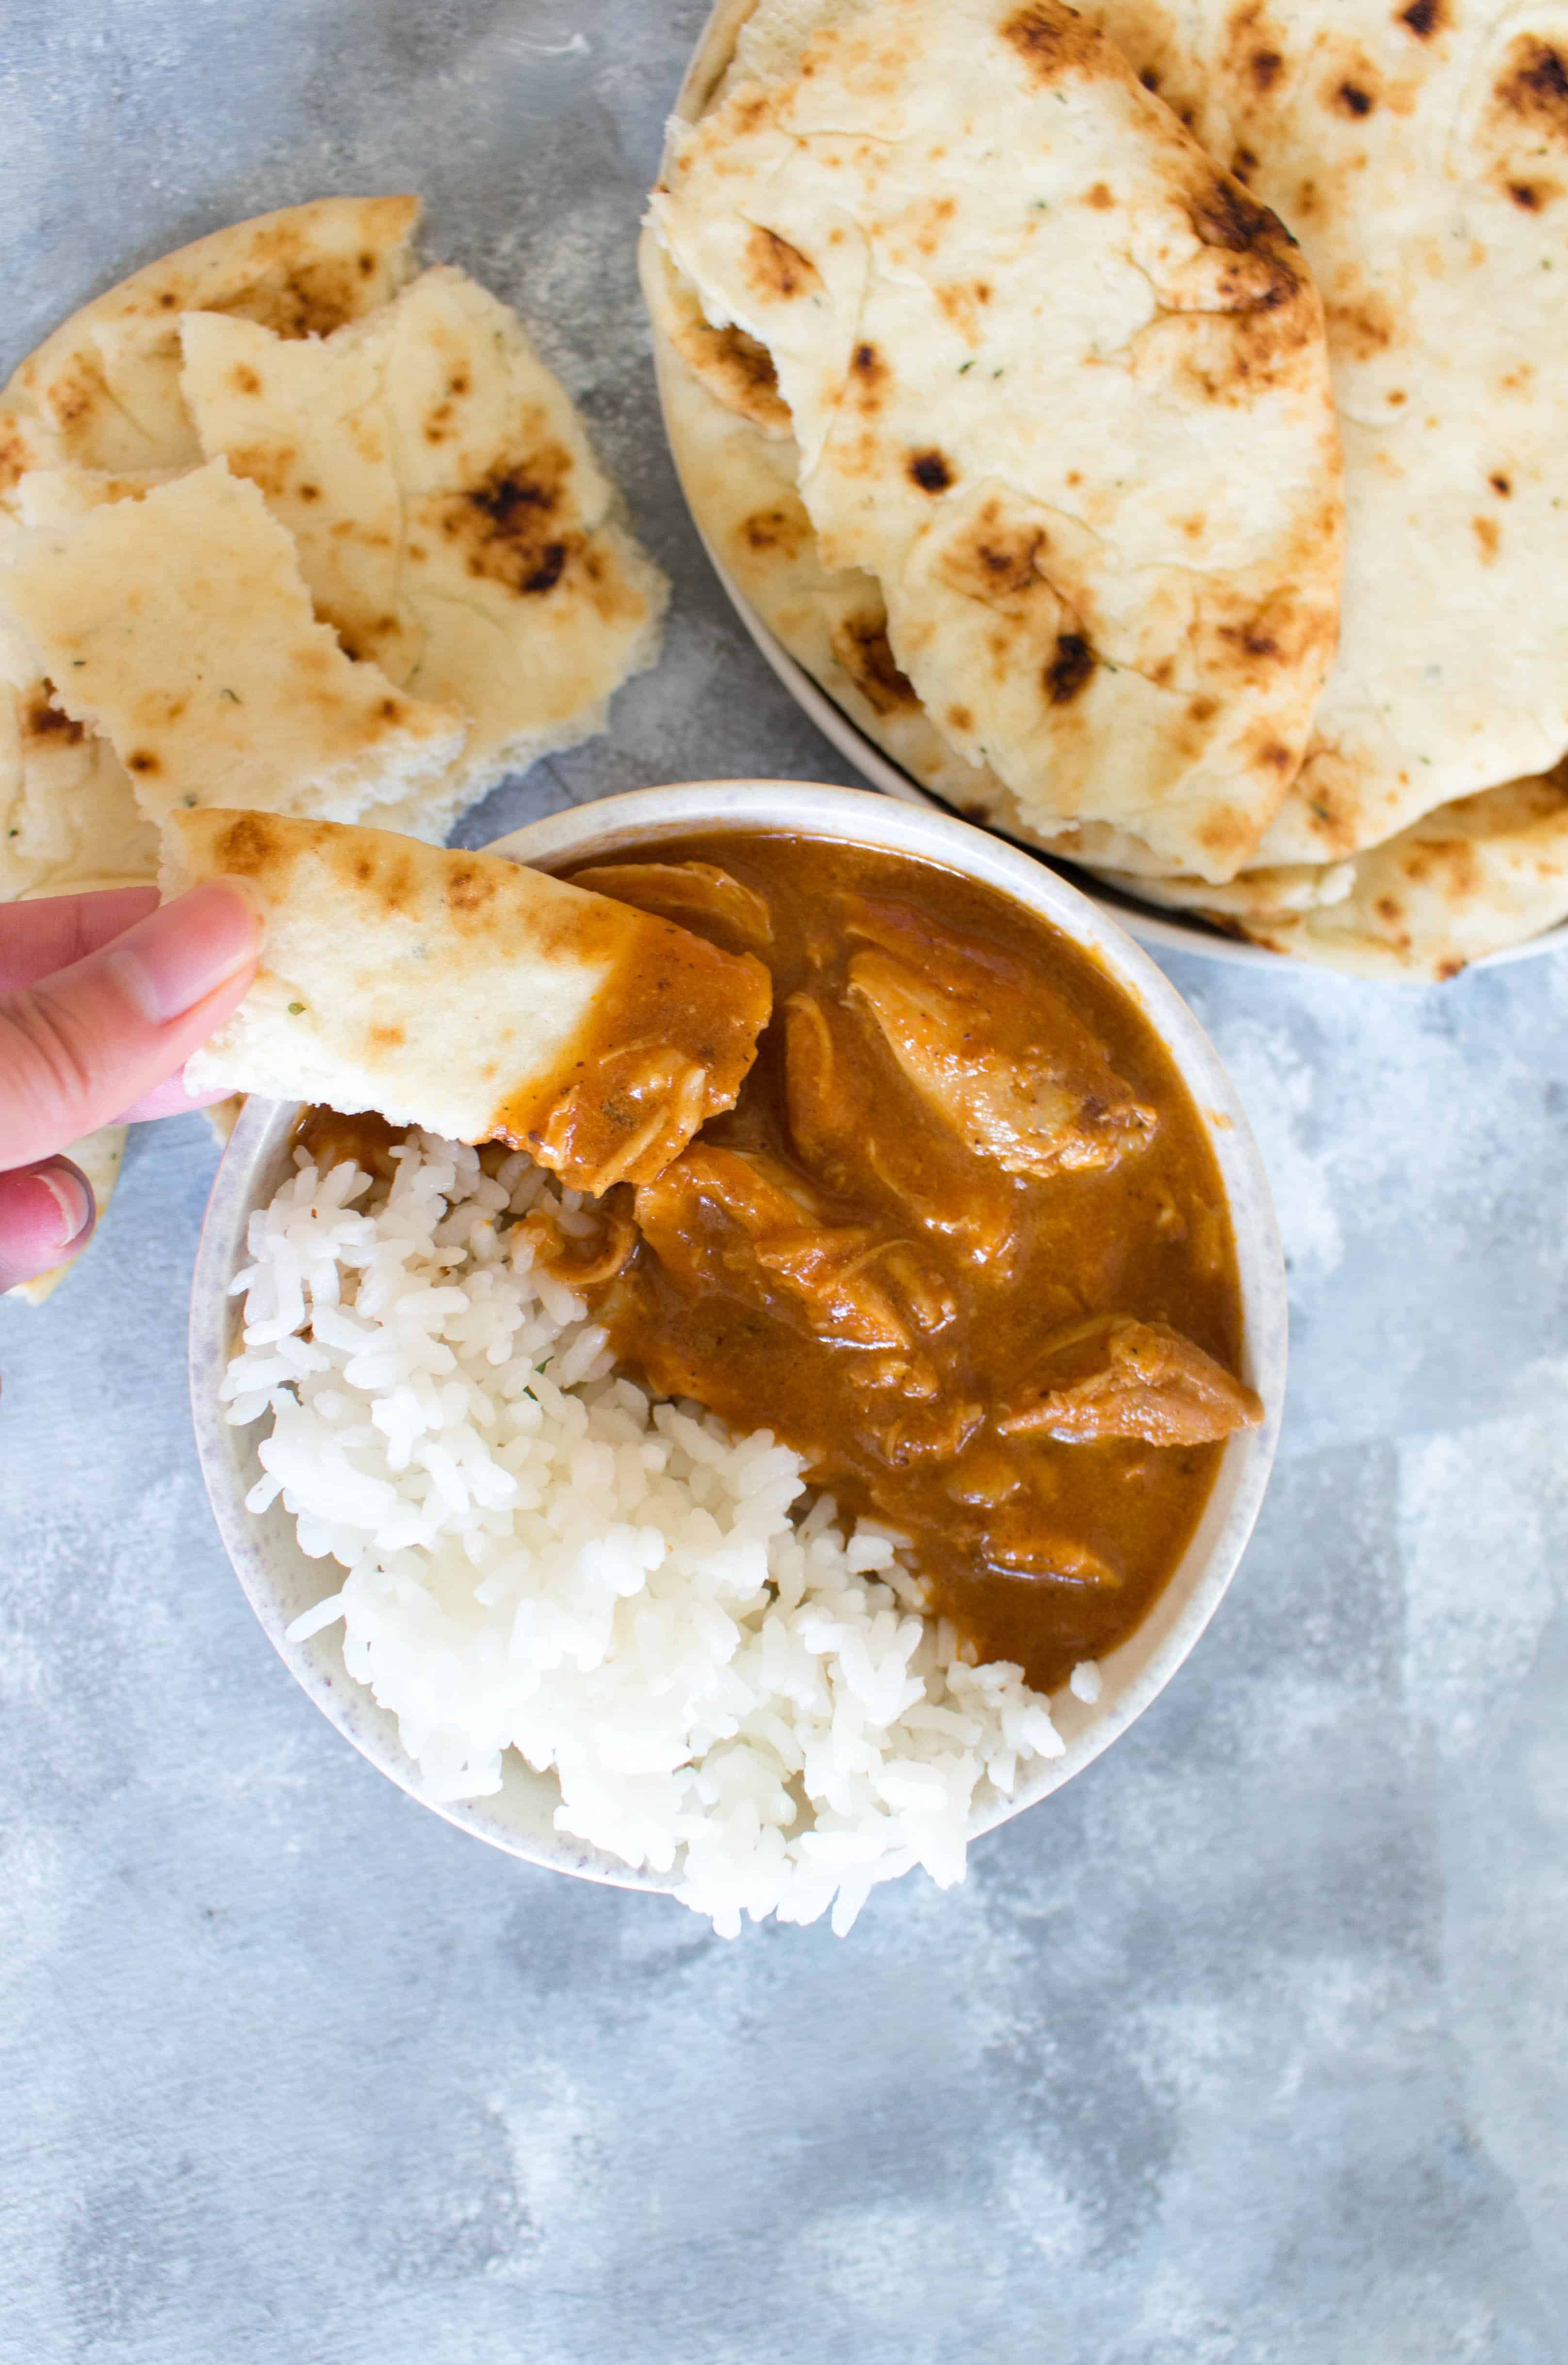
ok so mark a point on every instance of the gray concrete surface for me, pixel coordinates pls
(1253, 2044)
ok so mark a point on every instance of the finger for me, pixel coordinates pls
(77, 1049)
(170, 1098)
(46, 1215)
(38, 938)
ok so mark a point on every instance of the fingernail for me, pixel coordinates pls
(180, 954)
(49, 1207)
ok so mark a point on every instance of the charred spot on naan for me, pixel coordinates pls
(869, 374)
(43, 722)
(777, 268)
(1425, 18)
(1524, 134)
(511, 522)
(860, 643)
(735, 368)
(995, 559)
(1268, 274)
(931, 470)
(1067, 668)
(783, 527)
(1054, 40)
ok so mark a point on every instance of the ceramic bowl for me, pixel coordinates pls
(280, 1581)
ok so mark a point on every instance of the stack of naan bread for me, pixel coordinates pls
(286, 527)
(1150, 424)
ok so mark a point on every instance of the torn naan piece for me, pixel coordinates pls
(68, 818)
(104, 390)
(1420, 155)
(469, 995)
(451, 520)
(1057, 383)
(1470, 879)
(178, 626)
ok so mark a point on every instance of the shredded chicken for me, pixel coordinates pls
(738, 1220)
(1118, 1377)
(692, 895)
(1034, 1111)
(586, 1260)
(844, 1131)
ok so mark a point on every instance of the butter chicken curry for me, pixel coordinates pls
(961, 1241)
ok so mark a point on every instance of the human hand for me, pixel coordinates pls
(103, 998)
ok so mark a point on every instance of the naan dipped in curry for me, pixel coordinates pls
(470, 995)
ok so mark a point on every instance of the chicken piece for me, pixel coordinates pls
(1016, 1543)
(588, 1258)
(739, 1221)
(633, 1111)
(1044, 1107)
(693, 895)
(1118, 1377)
(845, 1131)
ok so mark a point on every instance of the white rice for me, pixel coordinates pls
(542, 1558)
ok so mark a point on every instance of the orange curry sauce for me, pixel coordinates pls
(962, 1242)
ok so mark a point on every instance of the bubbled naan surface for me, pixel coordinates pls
(1057, 384)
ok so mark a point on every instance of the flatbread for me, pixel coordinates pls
(179, 626)
(1468, 879)
(468, 994)
(67, 814)
(69, 818)
(104, 391)
(99, 1155)
(1420, 154)
(451, 520)
(1062, 390)
(741, 484)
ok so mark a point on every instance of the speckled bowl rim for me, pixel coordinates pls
(1150, 925)
(279, 1581)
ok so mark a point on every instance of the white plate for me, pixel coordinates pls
(280, 1581)
(1159, 929)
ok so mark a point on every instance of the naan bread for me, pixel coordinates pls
(741, 484)
(1420, 154)
(104, 390)
(1057, 383)
(468, 994)
(1467, 879)
(67, 815)
(99, 1155)
(179, 626)
(449, 516)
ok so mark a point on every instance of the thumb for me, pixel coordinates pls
(82, 1046)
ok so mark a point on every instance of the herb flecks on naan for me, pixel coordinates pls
(104, 390)
(451, 520)
(1062, 389)
(179, 626)
(1420, 154)
(473, 997)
